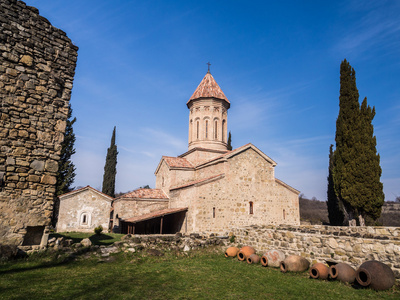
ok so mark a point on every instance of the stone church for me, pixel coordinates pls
(208, 189)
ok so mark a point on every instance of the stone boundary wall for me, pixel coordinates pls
(353, 245)
(37, 67)
(391, 207)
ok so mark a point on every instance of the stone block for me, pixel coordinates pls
(51, 166)
(27, 60)
(38, 165)
(33, 178)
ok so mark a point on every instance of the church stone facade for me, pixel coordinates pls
(210, 189)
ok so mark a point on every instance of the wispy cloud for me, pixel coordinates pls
(160, 137)
(379, 28)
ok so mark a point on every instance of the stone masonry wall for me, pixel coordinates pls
(37, 66)
(88, 202)
(353, 245)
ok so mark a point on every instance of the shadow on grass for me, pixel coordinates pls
(96, 239)
(56, 260)
(101, 239)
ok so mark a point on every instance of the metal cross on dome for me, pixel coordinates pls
(208, 67)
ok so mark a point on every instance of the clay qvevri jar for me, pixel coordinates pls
(343, 272)
(319, 271)
(294, 263)
(376, 275)
(253, 259)
(245, 252)
(272, 258)
(231, 252)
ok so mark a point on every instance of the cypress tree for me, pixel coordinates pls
(353, 172)
(229, 146)
(66, 168)
(110, 168)
(335, 207)
(372, 188)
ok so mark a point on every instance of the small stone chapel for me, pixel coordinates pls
(209, 188)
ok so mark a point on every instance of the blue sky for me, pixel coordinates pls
(276, 61)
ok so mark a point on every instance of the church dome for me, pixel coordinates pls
(208, 88)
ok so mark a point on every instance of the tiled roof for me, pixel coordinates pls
(208, 88)
(88, 187)
(223, 155)
(197, 181)
(155, 214)
(234, 152)
(145, 194)
(287, 186)
(177, 162)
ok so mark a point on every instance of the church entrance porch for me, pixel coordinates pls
(166, 221)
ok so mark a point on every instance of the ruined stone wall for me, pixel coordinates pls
(37, 65)
(353, 245)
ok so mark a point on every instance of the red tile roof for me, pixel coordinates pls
(145, 194)
(208, 88)
(177, 162)
(155, 214)
(88, 187)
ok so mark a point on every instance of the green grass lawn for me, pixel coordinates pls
(205, 274)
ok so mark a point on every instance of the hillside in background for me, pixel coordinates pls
(315, 212)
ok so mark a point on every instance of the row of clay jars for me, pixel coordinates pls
(242, 254)
(374, 274)
(245, 252)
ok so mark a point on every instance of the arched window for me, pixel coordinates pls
(190, 131)
(214, 212)
(198, 129)
(223, 130)
(84, 219)
(251, 207)
(216, 129)
(284, 214)
(206, 129)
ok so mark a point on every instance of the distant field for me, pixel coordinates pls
(205, 274)
(316, 212)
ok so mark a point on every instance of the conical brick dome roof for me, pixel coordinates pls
(208, 88)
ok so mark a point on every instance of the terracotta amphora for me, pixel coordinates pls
(253, 259)
(376, 275)
(343, 272)
(245, 252)
(319, 271)
(231, 251)
(272, 258)
(294, 263)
